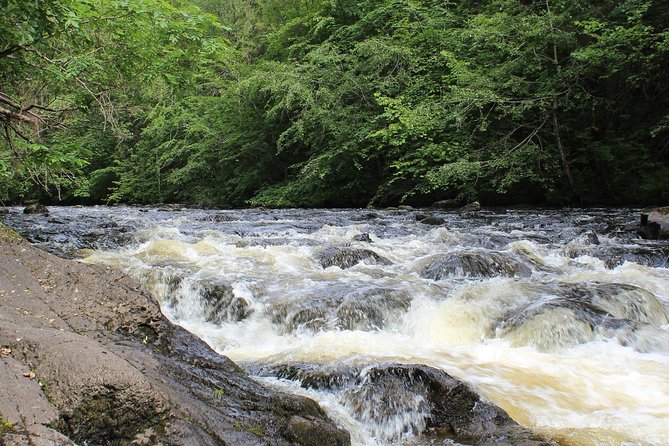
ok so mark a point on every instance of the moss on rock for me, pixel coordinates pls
(8, 235)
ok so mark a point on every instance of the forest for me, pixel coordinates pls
(334, 103)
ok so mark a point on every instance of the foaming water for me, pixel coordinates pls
(558, 317)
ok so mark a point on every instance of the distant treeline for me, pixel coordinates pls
(334, 102)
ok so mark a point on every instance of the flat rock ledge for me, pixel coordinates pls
(86, 357)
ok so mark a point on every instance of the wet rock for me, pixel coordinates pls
(405, 208)
(371, 309)
(265, 242)
(364, 237)
(614, 256)
(619, 300)
(654, 223)
(36, 209)
(349, 309)
(368, 216)
(452, 203)
(471, 207)
(346, 257)
(477, 263)
(113, 370)
(429, 219)
(566, 315)
(454, 410)
(219, 218)
(222, 305)
(314, 432)
(311, 375)
(4, 211)
(398, 401)
(216, 300)
(588, 238)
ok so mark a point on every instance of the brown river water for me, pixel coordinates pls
(557, 316)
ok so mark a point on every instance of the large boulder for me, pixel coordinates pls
(221, 304)
(36, 209)
(346, 257)
(87, 357)
(613, 256)
(360, 308)
(429, 219)
(475, 263)
(564, 315)
(426, 404)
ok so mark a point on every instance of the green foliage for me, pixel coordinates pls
(335, 102)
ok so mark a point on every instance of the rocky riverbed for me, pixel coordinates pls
(479, 327)
(88, 358)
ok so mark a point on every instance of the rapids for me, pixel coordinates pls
(557, 316)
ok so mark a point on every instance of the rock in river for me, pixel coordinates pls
(655, 223)
(475, 263)
(563, 315)
(359, 307)
(426, 405)
(346, 257)
(87, 357)
(36, 209)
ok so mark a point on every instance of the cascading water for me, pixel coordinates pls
(558, 317)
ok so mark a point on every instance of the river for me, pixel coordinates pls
(557, 316)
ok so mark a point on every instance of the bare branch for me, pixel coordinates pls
(30, 118)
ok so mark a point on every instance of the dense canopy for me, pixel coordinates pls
(334, 102)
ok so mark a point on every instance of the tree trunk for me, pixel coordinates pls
(561, 149)
(554, 112)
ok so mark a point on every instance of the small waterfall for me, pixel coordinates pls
(558, 318)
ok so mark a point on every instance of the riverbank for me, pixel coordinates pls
(88, 358)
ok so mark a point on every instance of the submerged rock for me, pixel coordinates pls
(429, 219)
(364, 237)
(221, 304)
(265, 242)
(614, 256)
(113, 370)
(367, 216)
(476, 263)
(214, 301)
(415, 403)
(348, 309)
(565, 315)
(346, 257)
(219, 218)
(588, 238)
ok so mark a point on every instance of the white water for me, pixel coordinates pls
(553, 373)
